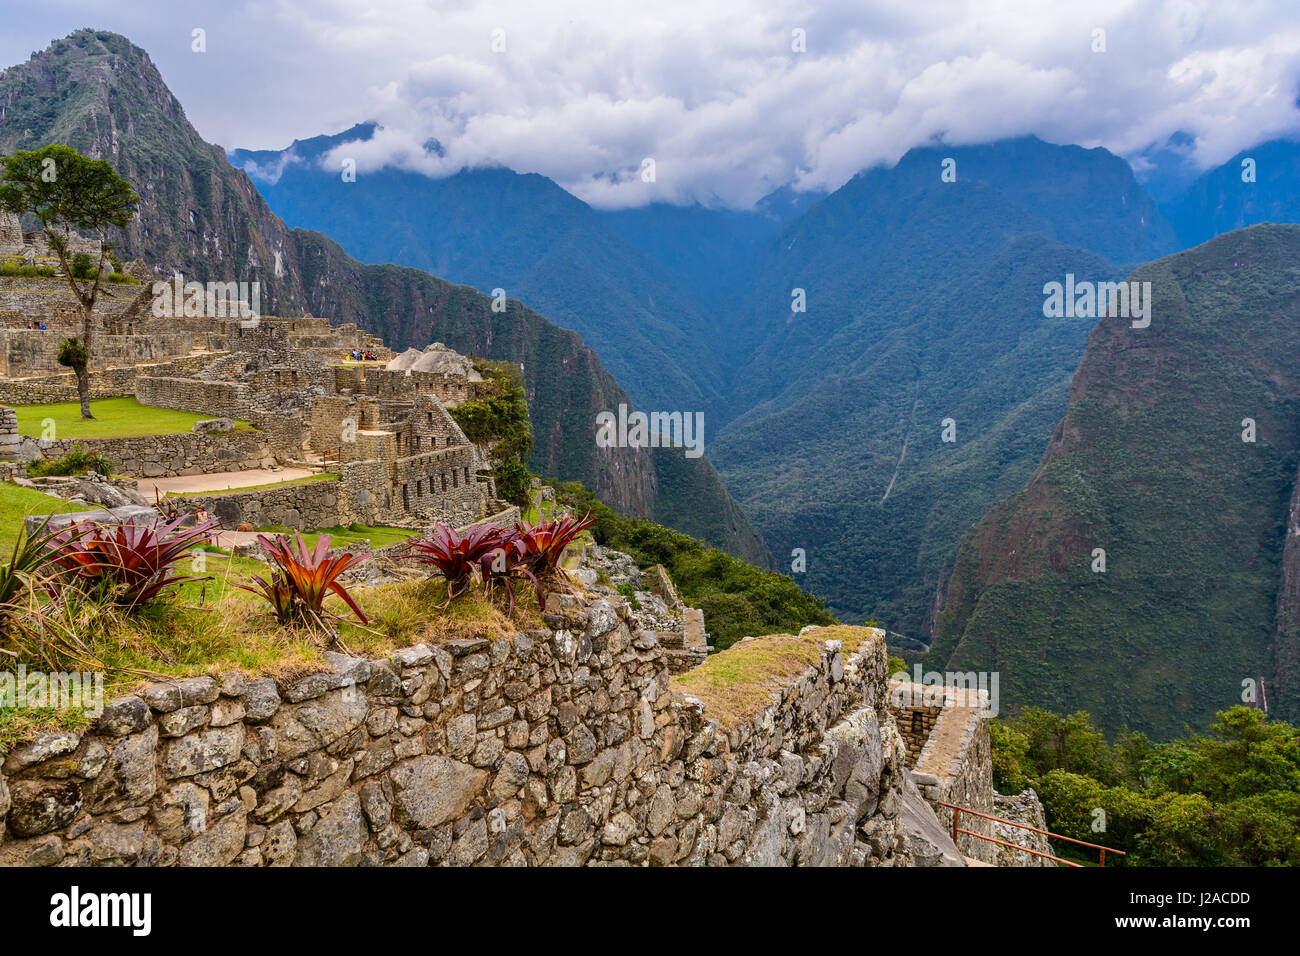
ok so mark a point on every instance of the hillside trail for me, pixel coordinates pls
(907, 435)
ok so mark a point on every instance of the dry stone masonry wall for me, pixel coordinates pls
(557, 746)
(301, 507)
(163, 456)
(955, 762)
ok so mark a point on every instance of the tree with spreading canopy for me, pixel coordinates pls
(68, 193)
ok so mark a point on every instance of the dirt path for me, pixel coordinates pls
(220, 481)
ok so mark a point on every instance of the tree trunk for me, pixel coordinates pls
(83, 371)
(83, 390)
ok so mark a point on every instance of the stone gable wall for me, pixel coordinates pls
(441, 482)
(557, 746)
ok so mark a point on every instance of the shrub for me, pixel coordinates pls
(14, 267)
(73, 354)
(629, 591)
(499, 418)
(128, 564)
(81, 266)
(301, 580)
(76, 462)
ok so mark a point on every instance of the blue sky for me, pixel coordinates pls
(717, 92)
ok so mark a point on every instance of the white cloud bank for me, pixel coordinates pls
(584, 91)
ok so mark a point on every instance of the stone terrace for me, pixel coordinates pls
(558, 746)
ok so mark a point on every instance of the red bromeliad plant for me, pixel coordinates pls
(301, 580)
(130, 563)
(455, 557)
(539, 548)
(543, 543)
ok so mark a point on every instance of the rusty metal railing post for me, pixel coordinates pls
(1103, 857)
(956, 814)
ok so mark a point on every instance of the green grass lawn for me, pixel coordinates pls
(17, 503)
(378, 536)
(114, 418)
(536, 511)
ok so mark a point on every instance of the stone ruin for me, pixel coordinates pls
(383, 426)
(15, 243)
(11, 234)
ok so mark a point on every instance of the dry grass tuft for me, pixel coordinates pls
(736, 684)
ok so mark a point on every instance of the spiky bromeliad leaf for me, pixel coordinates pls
(32, 567)
(540, 547)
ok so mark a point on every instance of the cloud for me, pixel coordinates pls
(711, 90)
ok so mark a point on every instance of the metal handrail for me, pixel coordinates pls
(325, 457)
(957, 811)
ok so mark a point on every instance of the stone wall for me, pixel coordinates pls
(107, 383)
(42, 298)
(42, 390)
(218, 399)
(955, 765)
(440, 485)
(916, 721)
(1023, 808)
(558, 746)
(11, 233)
(25, 352)
(165, 456)
(9, 438)
(303, 507)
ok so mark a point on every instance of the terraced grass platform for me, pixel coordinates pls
(114, 418)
